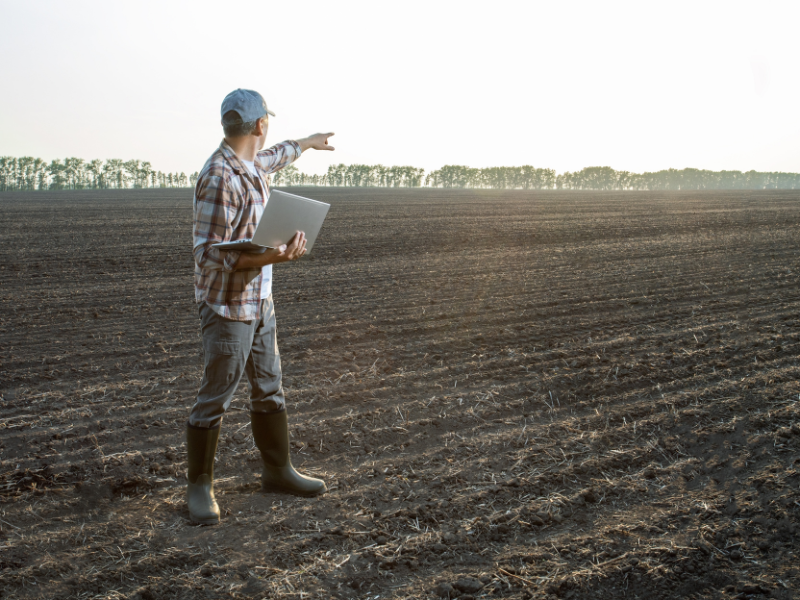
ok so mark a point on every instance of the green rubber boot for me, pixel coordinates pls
(271, 434)
(201, 446)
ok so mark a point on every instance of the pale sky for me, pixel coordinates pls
(639, 86)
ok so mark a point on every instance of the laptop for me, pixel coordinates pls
(284, 215)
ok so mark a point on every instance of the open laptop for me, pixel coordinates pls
(284, 215)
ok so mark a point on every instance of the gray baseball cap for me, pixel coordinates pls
(248, 104)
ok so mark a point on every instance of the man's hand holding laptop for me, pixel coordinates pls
(294, 249)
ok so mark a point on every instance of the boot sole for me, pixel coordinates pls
(207, 521)
(204, 521)
(270, 488)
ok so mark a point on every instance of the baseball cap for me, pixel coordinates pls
(248, 104)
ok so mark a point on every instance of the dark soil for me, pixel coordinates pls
(510, 395)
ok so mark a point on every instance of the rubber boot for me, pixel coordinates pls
(271, 434)
(201, 447)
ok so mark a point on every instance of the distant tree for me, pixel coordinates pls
(131, 169)
(56, 171)
(113, 173)
(6, 170)
(75, 176)
(336, 174)
(414, 176)
(95, 170)
(286, 176)
(143, 175)
(26, 171)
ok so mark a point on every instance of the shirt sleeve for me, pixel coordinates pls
(278, 156)
(215, 208)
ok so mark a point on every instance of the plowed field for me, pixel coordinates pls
(510, 394)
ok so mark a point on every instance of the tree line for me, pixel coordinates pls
(353, 176)
(27, 173)
(532, 178)
(606, 178)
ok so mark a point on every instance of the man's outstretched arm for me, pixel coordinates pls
(282, 155)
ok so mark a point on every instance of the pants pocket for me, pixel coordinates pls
(226, 347)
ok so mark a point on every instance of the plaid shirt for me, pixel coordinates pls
(228, 202)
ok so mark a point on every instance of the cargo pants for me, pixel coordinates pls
(231, 348)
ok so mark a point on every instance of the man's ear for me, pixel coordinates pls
(259, 130)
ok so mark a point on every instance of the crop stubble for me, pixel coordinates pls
(511, 394)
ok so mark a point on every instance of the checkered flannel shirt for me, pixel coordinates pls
(228, 202)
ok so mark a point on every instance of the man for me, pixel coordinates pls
(234, 293)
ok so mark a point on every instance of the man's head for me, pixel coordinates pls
(244, 112)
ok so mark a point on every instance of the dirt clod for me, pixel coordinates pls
(444, 590)
(468, 585)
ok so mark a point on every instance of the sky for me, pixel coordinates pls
(637, 86)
